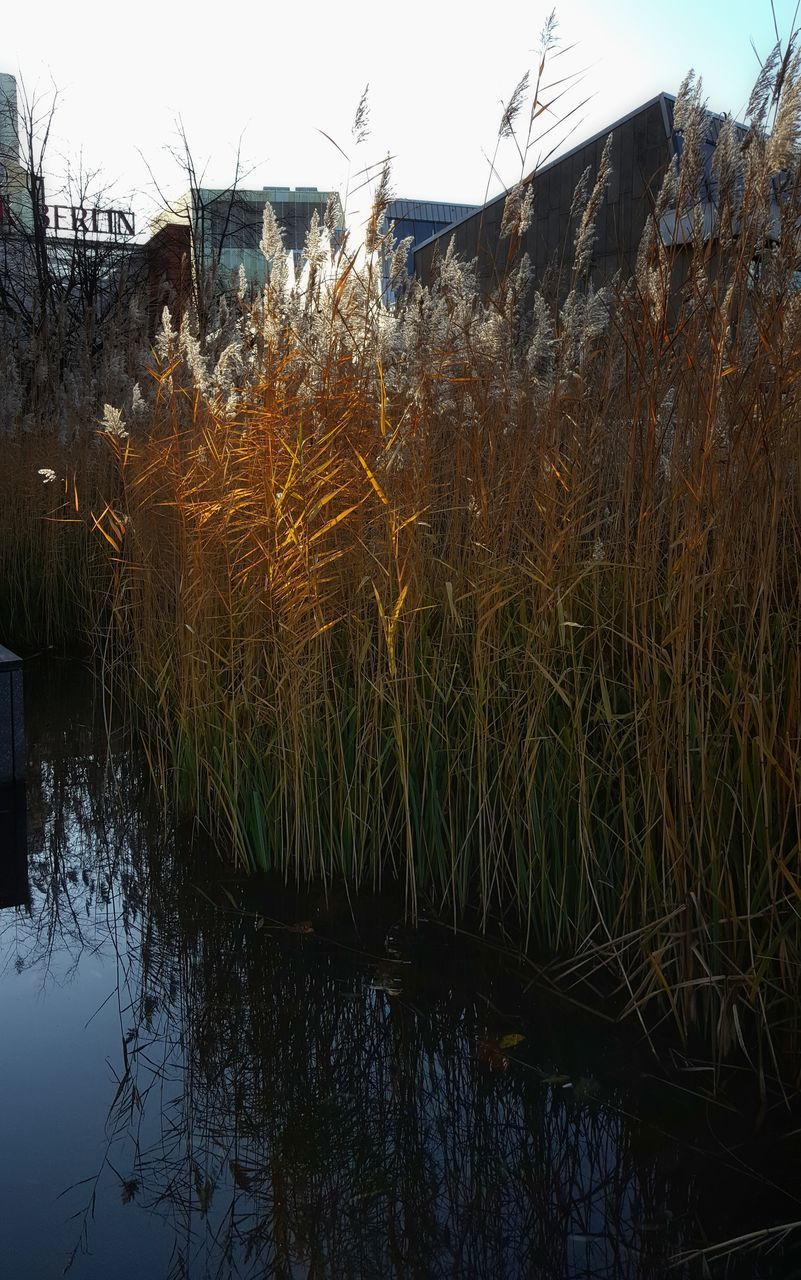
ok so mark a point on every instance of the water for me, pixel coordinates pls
(205, 1079)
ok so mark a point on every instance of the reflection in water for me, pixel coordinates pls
(221, 1094)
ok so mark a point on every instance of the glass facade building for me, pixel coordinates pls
(223, 227)
(15, 200)
(228, 224)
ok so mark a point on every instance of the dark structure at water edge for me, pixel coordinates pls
(13, 843)
(12, 725)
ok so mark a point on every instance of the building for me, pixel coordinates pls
(222, 229)
(64, 267)
(168, 265)
(421, 220)
(643, 145)
(15, 202)
(216, 232)
(225, 225)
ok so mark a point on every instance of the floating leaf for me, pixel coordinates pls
(509, 1042)
(490, 1053)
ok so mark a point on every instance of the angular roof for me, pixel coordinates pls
(565, 155)
(667, 102)
(429, 210)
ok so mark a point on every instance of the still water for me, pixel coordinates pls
(207, 1079)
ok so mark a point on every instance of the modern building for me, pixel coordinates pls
(228, 224)
(422, 219)
(643, 144)
(217, 231)
(15, 202)
(222, 230)
(63, 266)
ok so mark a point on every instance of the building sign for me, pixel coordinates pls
(74, 218)
(24, 208)
(68, 219)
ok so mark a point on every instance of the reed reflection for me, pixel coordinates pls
(88, 823)
(298, 1095)
(337, 1115)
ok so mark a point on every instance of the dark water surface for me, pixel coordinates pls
(209, 1080)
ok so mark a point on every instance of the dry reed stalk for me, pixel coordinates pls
(501, 600)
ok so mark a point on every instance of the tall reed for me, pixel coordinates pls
(498, 597)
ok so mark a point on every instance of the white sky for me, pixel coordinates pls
(275, 76)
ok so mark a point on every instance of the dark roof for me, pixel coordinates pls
(429, 210)
(667, 116)
(667, 101)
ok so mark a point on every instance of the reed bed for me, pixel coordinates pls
(495, 596)
(54, 576)
(55, 470)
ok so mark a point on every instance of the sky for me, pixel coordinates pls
(271, 81)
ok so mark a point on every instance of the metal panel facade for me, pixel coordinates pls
(641, 151)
